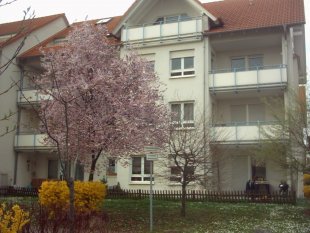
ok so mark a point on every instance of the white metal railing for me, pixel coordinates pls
(191, 26)
(30, 97)
(245, 132)
(256, 77)
(28, 141)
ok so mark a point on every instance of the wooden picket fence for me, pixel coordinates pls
(191, 195)
(203, 195)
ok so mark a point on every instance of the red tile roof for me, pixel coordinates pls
(48, 43)
(22, 28)
(254, 14)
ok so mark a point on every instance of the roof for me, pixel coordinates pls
(48, 43)
(254, 14)
(21, 28)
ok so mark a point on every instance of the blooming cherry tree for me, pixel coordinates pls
(99, 103)
(96, 102)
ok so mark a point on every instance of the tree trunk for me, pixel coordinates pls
(92, 170)
(183, 200)
(70, 183)
(94, 159)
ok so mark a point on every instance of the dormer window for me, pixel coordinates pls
(171, 18)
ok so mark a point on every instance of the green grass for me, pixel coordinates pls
(133, 216)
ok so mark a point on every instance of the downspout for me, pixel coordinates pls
(20, 87)
(204, 111)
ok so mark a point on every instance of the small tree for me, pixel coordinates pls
(97, 102)
(190, 156)
(287, 141)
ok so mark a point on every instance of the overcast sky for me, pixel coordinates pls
(78, 10)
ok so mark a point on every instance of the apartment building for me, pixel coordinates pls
(218, 60)
(18, 164)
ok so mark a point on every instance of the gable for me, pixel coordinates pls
(148, 12)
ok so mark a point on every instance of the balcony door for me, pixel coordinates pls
(247, 113)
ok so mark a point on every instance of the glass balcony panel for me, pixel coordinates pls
(242, 133)
(264, 77)
(164, 30)
(30, 97)
(31, 142)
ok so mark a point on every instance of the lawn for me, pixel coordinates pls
(133, 216)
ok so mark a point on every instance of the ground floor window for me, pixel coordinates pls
(140, 169)
(111, 169)
(176, 173)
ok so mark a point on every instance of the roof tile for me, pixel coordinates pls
(22, 28)
(253, 14)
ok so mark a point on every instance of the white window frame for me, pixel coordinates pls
(182, 70)
(142, 175)
(182, 123)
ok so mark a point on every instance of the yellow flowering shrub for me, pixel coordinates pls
(12, 220)
(88, 196)
(307, 179)
(307, 191)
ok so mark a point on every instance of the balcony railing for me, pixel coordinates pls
(189, 27)
(30, 97)
(256, 78)
(247, 132)
(28, 141)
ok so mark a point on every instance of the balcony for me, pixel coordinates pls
(244, 133)
(28, 141)
(179, 29)
(25, 97)
(258, 78)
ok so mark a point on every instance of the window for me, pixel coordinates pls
(176, 173)
(247, 63)
(256, 112)
(111, 169)
(183, 66)
(255, 62)
(238, 64)
(247, 113)
(182, 114)
(140, 169)
(171, 19)
(151, 66)
(238, 113)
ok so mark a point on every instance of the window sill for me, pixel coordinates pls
(183, 76)
(140, 182)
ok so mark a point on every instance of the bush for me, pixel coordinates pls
(306, 179)
(12, 219)
(307, 191)
(88, 196)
